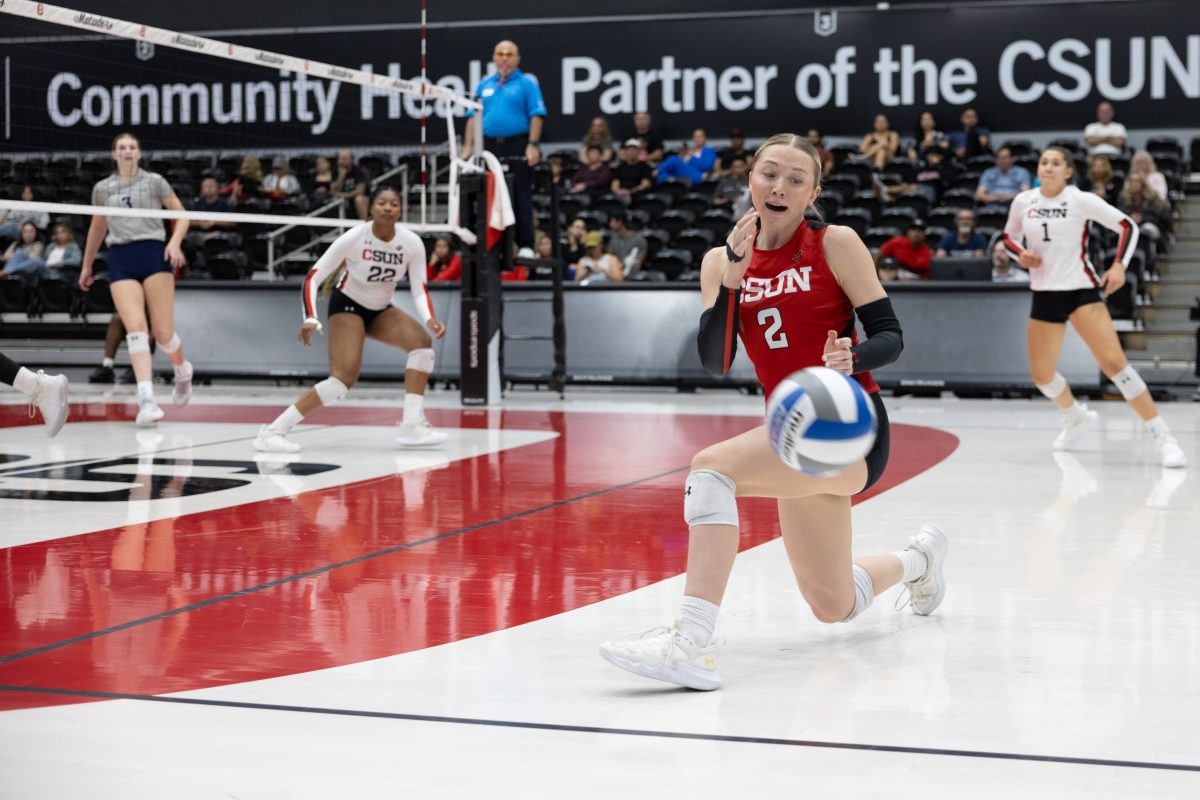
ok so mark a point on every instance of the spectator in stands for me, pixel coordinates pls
(558, 176)
(1099, 179)
(63, 253)
(322, 180)
(909, 255)
(972, 139)
(1143, 162)
(11, 221)
(350, 184)
(965, 241)
(597, 264)
(880, 145)
(1144, 207)
(210, 199)
(23, 258)
(444, 263)
(926, 136)
(1105, 137)
(726, 155)
(281, 184)
(733, 187)
(594, 176)
(626, 244)
(650, 141)
(544, 246)
(1003, 182)
(631, 175)
(935, 173)
(690, 163)
(1003, 268)
(599, 135)
(245, 187)
(817, 141)
(575, 247)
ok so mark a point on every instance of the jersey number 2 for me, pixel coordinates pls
(771, 318)
(381, 274)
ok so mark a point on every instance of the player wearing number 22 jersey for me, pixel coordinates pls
(372, 269)
(790, 299)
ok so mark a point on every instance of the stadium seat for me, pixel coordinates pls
(674, 187)
(876, 236)
(696, 241)
(693, 202)
(674, 221)
(716, 220)
(656, 241)
(857, 218)
(653, 203)
(866, 201)
(647, 276)
(670, 262)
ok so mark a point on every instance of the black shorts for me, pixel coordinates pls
(136, 261)
(1058, 306)
(877, 456)
(341, 304)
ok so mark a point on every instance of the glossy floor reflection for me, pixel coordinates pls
(180, 617)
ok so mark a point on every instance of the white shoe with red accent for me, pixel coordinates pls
(418, 434)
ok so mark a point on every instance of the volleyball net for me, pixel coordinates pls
(204, 107)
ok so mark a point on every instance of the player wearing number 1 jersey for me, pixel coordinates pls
(790, 289)
(1047, 232)
(376, 254)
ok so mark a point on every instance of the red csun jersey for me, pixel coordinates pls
(790, 301)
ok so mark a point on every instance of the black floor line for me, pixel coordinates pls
(548, 726)
(328, 568)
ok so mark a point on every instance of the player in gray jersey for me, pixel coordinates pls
(141, 269)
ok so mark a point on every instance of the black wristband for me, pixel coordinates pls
(732, 256)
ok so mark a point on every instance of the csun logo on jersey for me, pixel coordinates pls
(1047, 213)
(789, 281)
(382, 256)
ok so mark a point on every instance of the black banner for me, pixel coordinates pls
(1026, 68)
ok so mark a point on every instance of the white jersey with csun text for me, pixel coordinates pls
(1056, 228)
(372, 268)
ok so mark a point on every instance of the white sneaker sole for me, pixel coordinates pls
(182, 393)
(60, 411)
(436, 437)
(265, 447)
(684, 675)
(147, 418)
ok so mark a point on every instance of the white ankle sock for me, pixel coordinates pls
(184, 371)
(145, 391)
(414, 405)
(1158, 427)
(1075, 412)
(107, 362)
(698, 619)
(285, 421)
(25, 382)
(914, 563)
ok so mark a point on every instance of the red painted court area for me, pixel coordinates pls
(360, 571)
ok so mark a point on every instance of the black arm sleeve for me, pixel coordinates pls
(884, 341)
(717, 341)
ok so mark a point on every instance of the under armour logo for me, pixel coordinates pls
(799, 255)
(688, 492)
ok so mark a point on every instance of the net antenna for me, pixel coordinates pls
(123, 29)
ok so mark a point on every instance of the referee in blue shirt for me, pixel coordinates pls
(513, 113)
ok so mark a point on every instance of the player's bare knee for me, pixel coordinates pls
(829, 609)
(710, 458)
(348, 379)
(1113, 366)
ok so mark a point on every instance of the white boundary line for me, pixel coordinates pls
(225, 50)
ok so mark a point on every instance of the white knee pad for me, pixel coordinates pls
(1129, 382)
(171, 346)
(1054, 388)
(138, 341)
(864, 592)
(709, 499)
(420, 360)
(330, 391)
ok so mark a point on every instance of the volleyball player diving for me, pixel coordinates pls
(1047, 233)
(141, 269)
(785, 331)
(376, 254)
